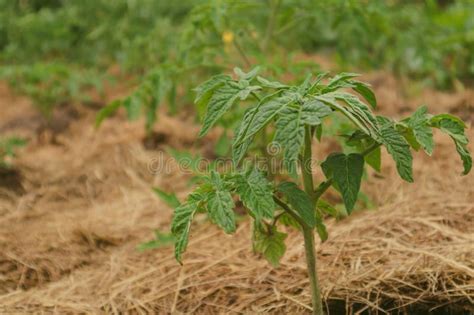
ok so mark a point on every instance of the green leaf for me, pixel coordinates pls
(422, 132)
(181, 224)
(107, 111)
(261, 115)
(300, 201)
(256, 193)
(205, 90)
(314, 111)
(454, 127)
(290, 135)
(246, 76)
(454, 130)
(397, 147)
(222, 145)
(132, 106)
(221, 100)
(220, 205)
(364, 90)
(465, 157)
(304, 87)
(357, 111)
(374, 159)
(346, 171)
(340, 80)
(270, 244)
(253, 121)
(319, 132)
(437, 118)
(271, 84)
(169, 198)
(322, 231)
(327, 208)
(239, 149)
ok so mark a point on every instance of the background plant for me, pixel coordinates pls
(8, 147)
(297, 115)
(426, 40)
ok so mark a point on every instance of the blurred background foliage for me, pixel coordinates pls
(51, 50)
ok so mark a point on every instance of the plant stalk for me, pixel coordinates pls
(308, 233)
(312, 271)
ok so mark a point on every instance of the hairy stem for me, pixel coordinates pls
(312, 271)
(306, 163)
(306, 170)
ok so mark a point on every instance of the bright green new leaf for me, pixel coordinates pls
(270, 244)
(346, 172)
(220, 205)
(256, 193)
(300, 201)
(397, 147)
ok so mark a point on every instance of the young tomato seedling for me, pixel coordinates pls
(296, 114)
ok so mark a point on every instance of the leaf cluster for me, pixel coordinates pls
(295, 115)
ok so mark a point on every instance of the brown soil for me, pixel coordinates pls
(68, 240)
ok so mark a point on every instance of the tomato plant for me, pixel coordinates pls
(295, 114)
(51, 84)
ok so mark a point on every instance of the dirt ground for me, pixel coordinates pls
(80, 201)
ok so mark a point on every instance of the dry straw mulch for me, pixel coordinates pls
(68, 242)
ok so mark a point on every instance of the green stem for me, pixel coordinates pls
(295, 216)
(312, 271)
(306, 163)
(306, 170)
(277, 217)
